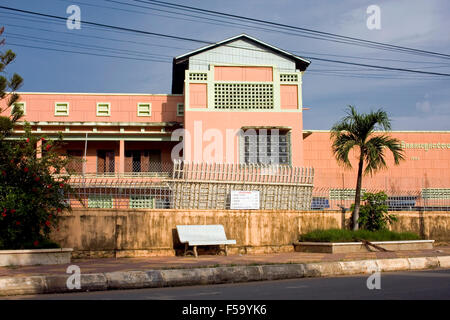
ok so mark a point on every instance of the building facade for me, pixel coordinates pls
(238, 101)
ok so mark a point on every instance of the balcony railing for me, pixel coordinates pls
(133, 170)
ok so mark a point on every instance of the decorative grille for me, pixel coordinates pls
(142, 202)
(436, 193)
(243, 96)
(344, 194)
(100, 201)
(198, 76)
(288, 77)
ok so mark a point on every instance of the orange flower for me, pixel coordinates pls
(25, 169)
(35, 243)
(17, 223)
(47, 223)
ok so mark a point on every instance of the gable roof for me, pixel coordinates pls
(301, 63)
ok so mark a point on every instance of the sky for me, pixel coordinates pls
(53, 58)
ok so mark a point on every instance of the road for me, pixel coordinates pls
(430, 284)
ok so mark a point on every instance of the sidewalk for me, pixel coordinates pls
(159, 263)
(157, 272)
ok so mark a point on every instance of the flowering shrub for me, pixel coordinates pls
(374, 213)
(32, 191)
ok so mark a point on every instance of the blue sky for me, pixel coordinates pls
(414, 101)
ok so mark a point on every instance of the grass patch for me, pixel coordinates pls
(339, 235)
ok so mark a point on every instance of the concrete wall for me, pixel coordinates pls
(426, 164)
(102, 232)
(83, 106)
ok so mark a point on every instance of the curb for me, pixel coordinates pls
(202, 276)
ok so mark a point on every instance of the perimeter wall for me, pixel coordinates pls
(130, 233)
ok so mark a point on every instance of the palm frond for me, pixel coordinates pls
(341, 147)
(374, 152)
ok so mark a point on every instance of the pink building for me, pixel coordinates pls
(220, 94)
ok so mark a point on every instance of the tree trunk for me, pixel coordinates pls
(358, 193)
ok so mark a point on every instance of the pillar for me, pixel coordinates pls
(121, 156)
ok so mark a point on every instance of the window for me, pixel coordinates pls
(103, 201)
(401, 202)
(142, 202)
(143, 161)
(288, 77)
(105, 161)
(103, 109)
(144, 109)
(344, 194)
(75, 164)
(436, 193)
(61, 109)
(243, 96)
(180, 110)
(266, 146)
(320, 203)
(199, 76)
(21, 105)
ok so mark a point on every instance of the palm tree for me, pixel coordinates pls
(359, 130)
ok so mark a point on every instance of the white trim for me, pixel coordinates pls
(109, 109)
(184, 109)
(103, 94)
(115, 124)
(391, 131)
(62, 115)
(149, 104)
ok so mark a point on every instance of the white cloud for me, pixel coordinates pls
(423, 106)
(403, 22)
(427, 122)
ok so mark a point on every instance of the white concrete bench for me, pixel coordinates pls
(203, 235)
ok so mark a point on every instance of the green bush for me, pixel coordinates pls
(343, 235)
(32, 192)
(374, 215)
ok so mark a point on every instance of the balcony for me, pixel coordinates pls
(133, 170)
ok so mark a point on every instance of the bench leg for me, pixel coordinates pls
(226, 250)
(185, 249)
(195, 252)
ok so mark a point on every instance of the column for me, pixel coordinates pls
(121, 156)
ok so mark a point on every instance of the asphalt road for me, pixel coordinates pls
(430, 284)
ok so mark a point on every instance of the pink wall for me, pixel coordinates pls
(420, 169)
(82, 107)
(198, 97)
(225, 73)
(223, 120)
(289, 96)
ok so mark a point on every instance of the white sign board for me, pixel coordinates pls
(244, 200)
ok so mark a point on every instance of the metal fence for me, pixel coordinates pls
(198, 186)
(120, 193)
(208, 186)
(426, 199)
